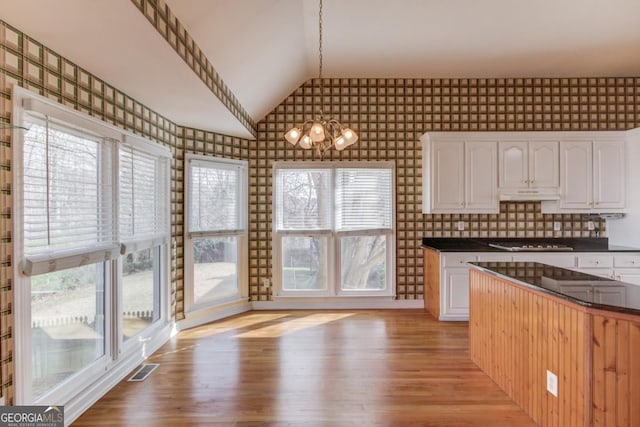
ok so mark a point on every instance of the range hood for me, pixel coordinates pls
(528, 195)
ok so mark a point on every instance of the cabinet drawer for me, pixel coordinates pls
(627, 261)
(595, 261)
(491, 257)
(550, 258)
(457, 260)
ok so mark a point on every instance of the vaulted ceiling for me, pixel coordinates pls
(264, 49)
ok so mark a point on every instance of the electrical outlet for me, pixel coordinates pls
(557, 226)
(552, 383)
(591, 226)
(1, 400)
(266, 283)
(460, 225)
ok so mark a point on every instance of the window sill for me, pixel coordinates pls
(342, 297)
(221, 310)
(285, 302)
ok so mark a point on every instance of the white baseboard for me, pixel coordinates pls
(292, 303)
(200, 317)
(454, 318)
(117, 372)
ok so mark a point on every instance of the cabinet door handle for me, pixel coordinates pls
(596, 262)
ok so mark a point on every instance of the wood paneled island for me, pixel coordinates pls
(530, 322)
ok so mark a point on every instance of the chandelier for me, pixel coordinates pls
(321, 133)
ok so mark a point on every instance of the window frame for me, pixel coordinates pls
(160, 296)
(158, 243)
(334, 250)
(241, 234)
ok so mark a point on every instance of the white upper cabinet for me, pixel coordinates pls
(514, 164)
(569, 172)
(576, 182)
(447, 176)
(480, 183)
(609, 179)
(593, 176)
(532, 165)
(461, 176)
(544, 167)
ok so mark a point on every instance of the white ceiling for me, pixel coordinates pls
(265, 49)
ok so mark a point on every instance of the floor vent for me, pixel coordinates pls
(144, 372)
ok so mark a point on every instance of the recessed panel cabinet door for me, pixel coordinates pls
(576, 179)
(456, 292)
(482, 177)
(448, 176)
(529, 164)
(608, 175)
(513, 164)
(544, 164)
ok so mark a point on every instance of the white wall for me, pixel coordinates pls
(626, 231)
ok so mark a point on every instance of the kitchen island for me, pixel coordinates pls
(562, 344)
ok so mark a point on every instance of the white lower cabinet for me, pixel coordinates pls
(627, 275)
(612, 295)
(626, 268)
(454, 274)
(456, 296)
(617, 266)
(454, 281)
(454, 285)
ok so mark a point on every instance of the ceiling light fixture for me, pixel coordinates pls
(321, 133)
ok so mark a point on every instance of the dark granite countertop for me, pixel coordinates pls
(579, 288)
(453, 244)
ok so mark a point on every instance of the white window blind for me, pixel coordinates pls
(68, 196)
(215, 197)
(143, 195)
(304, 199)
(364, 199)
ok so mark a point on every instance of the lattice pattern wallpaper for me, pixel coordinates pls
(390, 115)
(26, 62)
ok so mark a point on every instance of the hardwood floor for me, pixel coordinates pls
(313, 368)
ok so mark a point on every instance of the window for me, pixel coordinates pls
(91, 228)
(144, 231)
(140, 290)
(67, 174)
(215, 241)
(333, 228)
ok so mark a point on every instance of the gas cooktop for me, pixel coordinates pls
(525, 247)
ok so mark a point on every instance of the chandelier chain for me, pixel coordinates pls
(321, 133)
